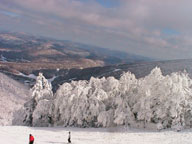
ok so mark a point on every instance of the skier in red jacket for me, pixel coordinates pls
(31, 139)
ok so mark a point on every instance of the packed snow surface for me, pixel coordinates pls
(20, 135)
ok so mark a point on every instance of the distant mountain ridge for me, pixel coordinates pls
(23, 52)
(140, 69)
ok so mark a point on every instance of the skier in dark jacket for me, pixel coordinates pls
(31, 139)
(69, 138)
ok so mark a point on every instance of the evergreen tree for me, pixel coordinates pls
(39, 107)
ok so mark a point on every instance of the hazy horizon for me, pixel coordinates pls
(150, 28)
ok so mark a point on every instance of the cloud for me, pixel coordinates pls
(153, 28)
(7, 13)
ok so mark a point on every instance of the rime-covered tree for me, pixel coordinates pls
(153, 101)
(39, 108)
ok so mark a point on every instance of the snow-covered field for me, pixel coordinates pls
(58, 135)
(13, 95)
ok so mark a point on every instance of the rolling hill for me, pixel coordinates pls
(20, 52)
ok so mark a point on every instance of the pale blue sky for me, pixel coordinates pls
(105, 3)
(8, 13)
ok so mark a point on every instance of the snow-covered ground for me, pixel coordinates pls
(2, 58)
(19, 135)
(13, 95)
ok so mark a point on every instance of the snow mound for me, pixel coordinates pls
(154, 101)
(12, 97)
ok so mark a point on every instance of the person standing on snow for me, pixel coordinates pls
(31, 139)
(69, 138)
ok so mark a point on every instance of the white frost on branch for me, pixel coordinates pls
(164, 101)
(42, 88)
(152, 101)
(39, 109)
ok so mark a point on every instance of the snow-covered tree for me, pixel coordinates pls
(157, 100)
(39, 108)
(42, 89)
(79, 103)
(154, 101)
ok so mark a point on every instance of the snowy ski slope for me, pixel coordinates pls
(19, 135)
